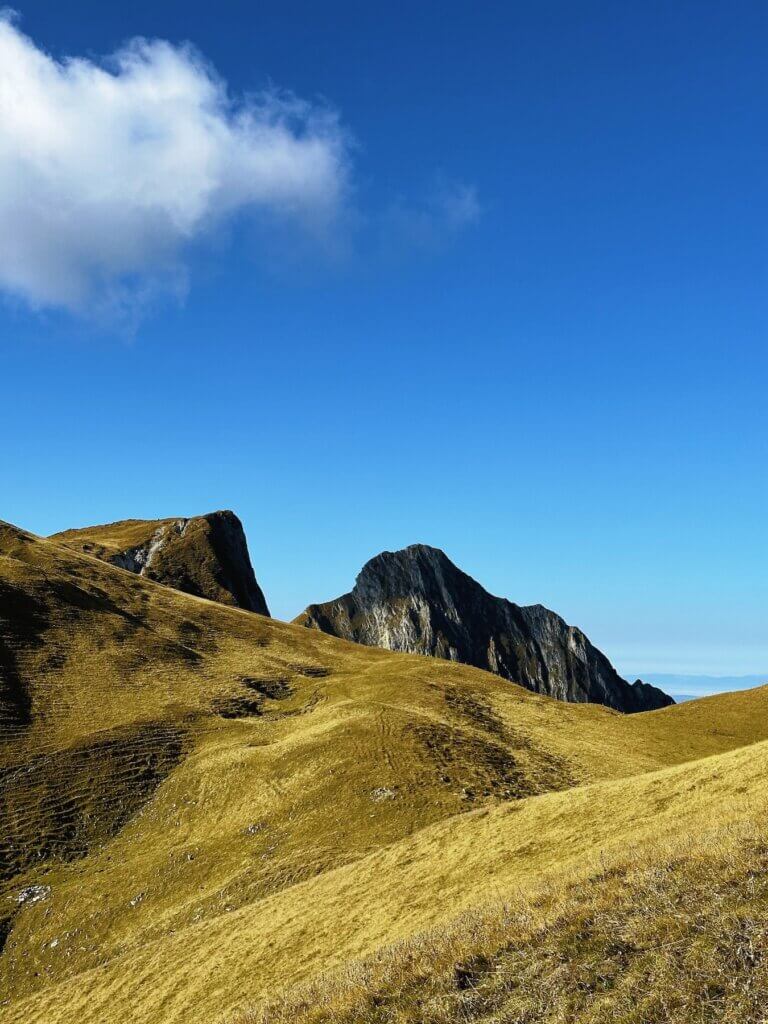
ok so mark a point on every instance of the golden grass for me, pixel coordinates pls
(249, 804)
(664, 934)
(109, 538)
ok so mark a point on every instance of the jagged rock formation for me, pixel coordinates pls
(205, 555)
(417, 600)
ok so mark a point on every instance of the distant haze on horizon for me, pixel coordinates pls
(692, 686)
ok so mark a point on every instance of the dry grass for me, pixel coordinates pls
(110, 538)
(668, 935)
(223, 806)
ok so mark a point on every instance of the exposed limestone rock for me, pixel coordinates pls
(33, 894)
(417, 600)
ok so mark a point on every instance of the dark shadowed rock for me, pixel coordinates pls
(205, 555)
(417, 600)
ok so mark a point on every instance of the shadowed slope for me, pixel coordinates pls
(208, 794)
(417, 600)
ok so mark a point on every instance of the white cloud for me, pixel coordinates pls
(109, 171)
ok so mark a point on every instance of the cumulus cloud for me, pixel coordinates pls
(109, 171)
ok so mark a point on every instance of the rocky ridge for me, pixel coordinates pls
(203, 555)
(417, 600)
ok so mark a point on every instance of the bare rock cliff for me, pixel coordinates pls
(417, 600)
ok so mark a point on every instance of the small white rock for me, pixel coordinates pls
(383, 793)
(33, 894)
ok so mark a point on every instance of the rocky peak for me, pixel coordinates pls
(418, 569)
(417, 600)
(203, 555)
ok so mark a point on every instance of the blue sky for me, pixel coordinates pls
(520, 313)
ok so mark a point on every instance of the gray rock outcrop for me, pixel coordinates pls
(417, 600)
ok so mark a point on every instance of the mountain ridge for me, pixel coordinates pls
(205, 555)
(417, 600)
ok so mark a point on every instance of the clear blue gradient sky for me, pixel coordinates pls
(564, 389)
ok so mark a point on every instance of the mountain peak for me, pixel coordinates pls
(417, 600)
(412, 553)
(203, 555)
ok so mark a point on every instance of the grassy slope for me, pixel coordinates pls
(370, 796)
(672, 932)
(109, 538)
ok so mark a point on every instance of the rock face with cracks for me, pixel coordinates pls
(417, 600)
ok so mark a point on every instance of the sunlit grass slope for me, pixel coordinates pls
(110, 538)
(216, 806)
(674, 931)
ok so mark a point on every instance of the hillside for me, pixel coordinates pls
(417, 600)
(670, 932)
(202, 807)
(205, 555)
